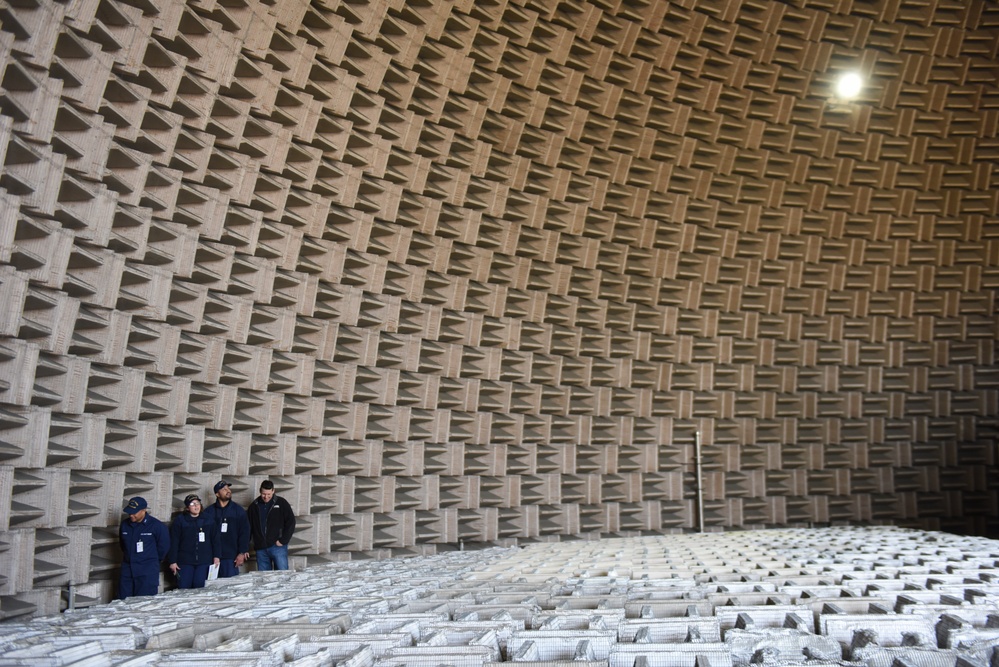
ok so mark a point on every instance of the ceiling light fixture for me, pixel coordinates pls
(848, 86)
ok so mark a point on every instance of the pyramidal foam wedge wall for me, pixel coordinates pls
(456, 272)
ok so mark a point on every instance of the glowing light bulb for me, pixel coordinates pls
(849, 86)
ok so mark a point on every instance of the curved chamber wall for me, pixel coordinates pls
(456, 272)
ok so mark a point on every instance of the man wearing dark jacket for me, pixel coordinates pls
(194, 545)
(272, 523)
(144, 544)
(233, 528)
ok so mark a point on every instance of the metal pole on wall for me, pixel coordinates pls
(700, 481)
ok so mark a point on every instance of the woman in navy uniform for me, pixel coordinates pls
(144, 544)
(194, 545)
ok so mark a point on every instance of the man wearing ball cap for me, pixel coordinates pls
(144, 544)
(233, 528)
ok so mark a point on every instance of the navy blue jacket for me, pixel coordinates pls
(187, 547)
(233, 528)
(155, 539)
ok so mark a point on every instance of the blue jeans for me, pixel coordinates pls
(273, 558)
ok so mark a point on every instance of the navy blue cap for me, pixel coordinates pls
(135, 505)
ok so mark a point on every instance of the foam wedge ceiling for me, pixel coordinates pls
(480, 272)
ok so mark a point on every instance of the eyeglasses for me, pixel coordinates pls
(194, 502)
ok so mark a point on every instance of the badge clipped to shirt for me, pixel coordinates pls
(138, 547)
(201, 536)
(225, 526)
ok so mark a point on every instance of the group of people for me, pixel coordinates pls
(202, 537)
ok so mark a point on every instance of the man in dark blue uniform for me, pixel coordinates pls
(194, 545)
(144, 542)
(233, 528)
